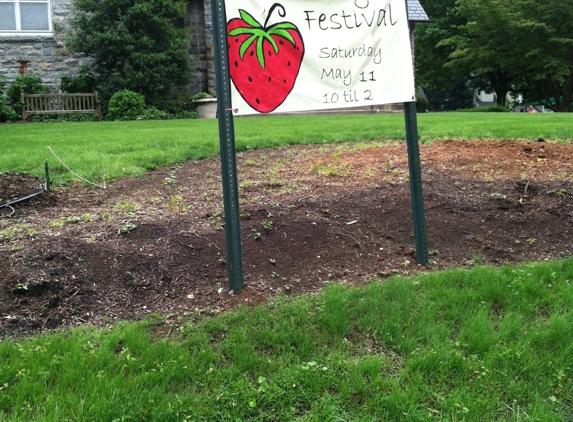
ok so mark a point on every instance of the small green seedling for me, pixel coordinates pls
(126, 228)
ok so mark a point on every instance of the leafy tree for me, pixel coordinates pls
(547, 35)
(484, 46)
(135, 44)
(521, 46)
(431, 56)
(447, 87)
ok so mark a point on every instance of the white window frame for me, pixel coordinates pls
(18, 31)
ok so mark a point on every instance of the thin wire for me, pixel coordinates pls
(9, 215)
(75, 174)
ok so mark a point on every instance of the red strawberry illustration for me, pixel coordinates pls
(264, 60)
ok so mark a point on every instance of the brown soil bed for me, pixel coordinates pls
(311, 215)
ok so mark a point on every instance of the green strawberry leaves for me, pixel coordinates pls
(249, 19)
(260, 35)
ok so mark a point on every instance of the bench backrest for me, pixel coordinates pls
(60, 104)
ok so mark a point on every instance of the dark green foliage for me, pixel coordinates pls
(27, 84)
(446, 84)
(489, 109)
(152, 113)
(458, 96)
(522, 46)
(176, 104)
(547, 74)
(59, 118)
(125, 105)
(136, 45)
(422, 105)
(431, 72)
(486, 49)
(6, 113)
(85, 82)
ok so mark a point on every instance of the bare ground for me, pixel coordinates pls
(310, 215)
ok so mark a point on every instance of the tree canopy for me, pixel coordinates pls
(137, 45)
(523, 46)
(446, 87)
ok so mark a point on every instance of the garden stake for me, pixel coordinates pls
(48, 181)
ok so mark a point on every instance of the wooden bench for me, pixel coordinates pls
(60, 104)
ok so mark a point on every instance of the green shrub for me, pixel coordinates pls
(6, 113)
(175, 104)
(85, 82)
(152, 113)
(125, 105)
(488, 109)
(203, 95)
(186, 102)
(184, 115)
(27, 84)
(60, 118)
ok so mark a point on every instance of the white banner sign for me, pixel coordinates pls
(302, 55)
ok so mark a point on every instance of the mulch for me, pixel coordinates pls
(310, 216)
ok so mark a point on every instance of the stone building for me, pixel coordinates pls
(33, 40)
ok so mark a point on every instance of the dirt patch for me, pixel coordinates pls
(310, 216)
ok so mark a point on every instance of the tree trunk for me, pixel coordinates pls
(501, 84)
(501, 96)
(549, 89)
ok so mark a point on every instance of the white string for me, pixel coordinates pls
(9, 215)
(75, 174)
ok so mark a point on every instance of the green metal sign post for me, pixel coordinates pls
(227, 141)
(416, 182)
(229, 166)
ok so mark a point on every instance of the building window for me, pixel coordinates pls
(25, 16)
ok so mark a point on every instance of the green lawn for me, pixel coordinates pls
(476, 345)
(111, 150)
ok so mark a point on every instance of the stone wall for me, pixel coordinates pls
(43, 55)
(210, 70)
(198, 20)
